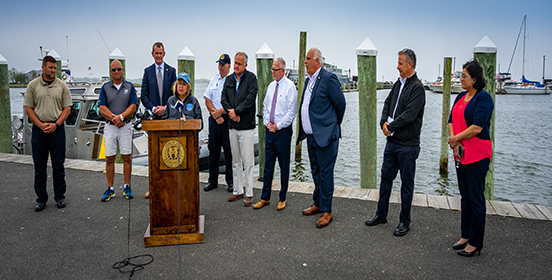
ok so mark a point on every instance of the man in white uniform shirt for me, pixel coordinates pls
(218, 127)
(279, 108)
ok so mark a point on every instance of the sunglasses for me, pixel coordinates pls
(116, 69)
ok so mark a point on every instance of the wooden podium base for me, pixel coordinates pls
(172, 239)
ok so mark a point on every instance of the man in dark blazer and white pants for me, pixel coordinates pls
(154, 95)
(320, 116)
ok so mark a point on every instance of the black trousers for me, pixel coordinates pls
(277, 145)
(52, 144)
(219, 138)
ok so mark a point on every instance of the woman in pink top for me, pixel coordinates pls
(470, 140)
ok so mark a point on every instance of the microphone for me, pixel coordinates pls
(179, 105)
(149, 114)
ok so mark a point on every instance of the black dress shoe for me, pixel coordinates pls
(40, 206)
(459, 246)
(375, 221)
(210, 186)
(230, 187)
(61, 203)
(463, 253)
(401, 230)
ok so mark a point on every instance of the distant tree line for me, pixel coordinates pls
(17, 77)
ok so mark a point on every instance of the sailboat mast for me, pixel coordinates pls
(524, 35)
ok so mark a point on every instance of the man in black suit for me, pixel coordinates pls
(156, 84)
(401, 122)
(238, 100)
(321, 113)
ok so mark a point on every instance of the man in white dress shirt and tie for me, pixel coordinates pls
(279, 108)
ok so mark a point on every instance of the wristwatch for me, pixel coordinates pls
(57, 124)
(121, 116)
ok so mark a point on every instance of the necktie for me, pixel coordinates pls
(160, 85)
(273, 107)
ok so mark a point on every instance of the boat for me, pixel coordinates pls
(455, 87)
(525, 87)
(84, 130)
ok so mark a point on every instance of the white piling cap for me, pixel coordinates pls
(117, 54)
(485, 46)
(186, 54)
(3, 61)
(264, 52)
(55, 55)
(367, 48)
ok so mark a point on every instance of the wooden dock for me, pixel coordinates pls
(494, 207)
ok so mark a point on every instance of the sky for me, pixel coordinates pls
(433, 29)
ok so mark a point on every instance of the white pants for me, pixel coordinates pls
(122, 135)
(243, 158)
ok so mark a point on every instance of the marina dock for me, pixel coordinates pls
(84, 240)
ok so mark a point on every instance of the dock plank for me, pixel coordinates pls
(454, 203)
(338, 190)
(359, 193)
(347, 191)
(436, 201)
(373, 195)
(505, 209)
(419, 199)
(395, 197)
(546, 211)
(524, 211)
(490, 208)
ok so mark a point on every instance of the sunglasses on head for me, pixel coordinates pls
(116, 69)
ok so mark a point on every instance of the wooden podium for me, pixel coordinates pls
(166, 156)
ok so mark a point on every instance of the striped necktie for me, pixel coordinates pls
(273, 107)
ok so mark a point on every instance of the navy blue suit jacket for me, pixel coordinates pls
(150, 90)
(326, 109)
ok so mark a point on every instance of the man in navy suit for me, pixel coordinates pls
(156, 84)
(321, 113)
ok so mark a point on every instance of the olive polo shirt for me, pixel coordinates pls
(47, 100)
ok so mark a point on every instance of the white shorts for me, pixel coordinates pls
(121, 135)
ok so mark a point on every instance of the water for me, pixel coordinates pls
(523, 171)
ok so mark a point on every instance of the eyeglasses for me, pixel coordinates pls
(116, 69)
(276, 70)
(465, 76)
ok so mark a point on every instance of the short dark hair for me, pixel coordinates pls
(159, 45)
(475, 70)
(47, 59)
(409, 55)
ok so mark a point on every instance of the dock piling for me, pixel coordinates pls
(186, 63)
(265, 58)
(368, 120)
(300, 86)
(443, 160)
(485, 53)
(5, 117)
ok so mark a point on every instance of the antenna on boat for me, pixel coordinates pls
(67, 46)
(104, 41)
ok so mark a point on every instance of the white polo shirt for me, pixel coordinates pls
(214, 90)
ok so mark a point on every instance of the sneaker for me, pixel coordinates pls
(127, 192)
(108, 194)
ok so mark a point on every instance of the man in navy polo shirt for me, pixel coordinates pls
(118, 102)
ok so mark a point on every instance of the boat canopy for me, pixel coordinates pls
(525, 81)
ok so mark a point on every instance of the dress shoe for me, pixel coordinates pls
(61, 203)
(401, 230)
(210, 186)
(235, 197)
(40, 206)
(281, 205)
(463, 253)
(260, 204)
(248, 201)
(375, 221)
(230, 187)
(325, 220)
(311, 210)
(459, 246)
(147, 195)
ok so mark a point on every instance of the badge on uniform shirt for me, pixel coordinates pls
(189, 106)
(126, 91)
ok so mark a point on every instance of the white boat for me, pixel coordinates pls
(526, 87)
